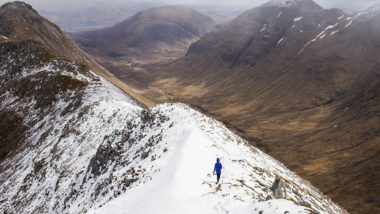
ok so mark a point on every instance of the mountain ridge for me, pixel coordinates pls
(86, 146)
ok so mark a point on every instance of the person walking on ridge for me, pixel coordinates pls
(217, 170)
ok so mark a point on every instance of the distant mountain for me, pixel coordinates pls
(159, 31)
(89, 18)
(300, 81)
(71, 142)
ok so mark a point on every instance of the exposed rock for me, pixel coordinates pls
(278, 189)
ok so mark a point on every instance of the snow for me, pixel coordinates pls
(333, 29)
(279, 207)
(297, 19)
(279, 42)
(321, 35)
(185, 185)
(279, 15)
(348, 24)
(334, 32)
(263, 28)
(112, 156)
(351, 19)
(178, 188)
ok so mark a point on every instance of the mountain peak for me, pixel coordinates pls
(20, 22)
(173, 13)
(302, 4)
(162, 33)
(17, 5)
(15, 16)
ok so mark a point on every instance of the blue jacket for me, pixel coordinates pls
(218, 167)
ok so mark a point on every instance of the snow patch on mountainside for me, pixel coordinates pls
(330, 30)
(321, 35)
(297, 19)
(279, 41)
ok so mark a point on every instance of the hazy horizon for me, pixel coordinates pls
(93, 14)
(58, 5)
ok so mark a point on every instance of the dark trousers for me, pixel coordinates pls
(217, 177)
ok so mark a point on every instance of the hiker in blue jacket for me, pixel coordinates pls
(217, 170)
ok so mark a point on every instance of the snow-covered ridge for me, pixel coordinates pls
(93, 149)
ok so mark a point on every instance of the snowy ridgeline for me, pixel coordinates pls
(93, 149)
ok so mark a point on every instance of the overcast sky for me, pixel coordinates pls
(243, 4)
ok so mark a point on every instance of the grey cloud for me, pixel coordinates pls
(348, 4)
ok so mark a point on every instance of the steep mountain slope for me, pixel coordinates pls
(301, 82)
(19, 21)
(85, 146)
(159, 32)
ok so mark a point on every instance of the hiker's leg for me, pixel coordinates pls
(217, 177)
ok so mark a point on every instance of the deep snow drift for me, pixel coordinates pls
(90, 148)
